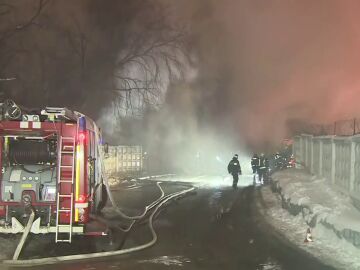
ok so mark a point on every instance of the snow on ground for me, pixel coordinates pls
(322, 199)
(316, 198)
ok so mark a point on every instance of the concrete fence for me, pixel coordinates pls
(335, 158)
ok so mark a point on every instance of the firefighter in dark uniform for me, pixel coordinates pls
(278, 163)
(234, 169)
(263, 169)
(255, 165)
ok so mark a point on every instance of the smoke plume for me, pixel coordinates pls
(255, 68)
(264, 63)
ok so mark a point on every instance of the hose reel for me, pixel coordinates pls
(10, 110)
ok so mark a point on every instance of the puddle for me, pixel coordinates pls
(214, 199)
(168, 260)
(269, 264)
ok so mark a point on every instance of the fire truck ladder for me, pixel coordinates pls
(63, 231)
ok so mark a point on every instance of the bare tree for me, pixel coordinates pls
(86, 54)
(143, 72)
(23, 25)
(8, 31)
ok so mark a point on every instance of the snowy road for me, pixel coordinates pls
(216, 228)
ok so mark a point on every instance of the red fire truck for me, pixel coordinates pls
(50, 160)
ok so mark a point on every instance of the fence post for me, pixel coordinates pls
(312, 154)
(117, 159)
(352, 166)
(301, 152)
(306, 159)
(333, 160)
(320, 156)
(306, 147)
(354, 132)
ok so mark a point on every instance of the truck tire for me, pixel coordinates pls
(104, 199)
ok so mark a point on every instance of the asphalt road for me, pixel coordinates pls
(214, 228)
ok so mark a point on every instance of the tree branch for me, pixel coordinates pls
(20, 27)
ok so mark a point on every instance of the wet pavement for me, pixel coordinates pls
(214, 228)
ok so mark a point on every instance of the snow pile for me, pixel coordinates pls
(302, 201)
(319, 202)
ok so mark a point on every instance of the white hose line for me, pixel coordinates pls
(114, 204)
(133, 218)
(147, 208)
(24, 235)
(117, 209)
(125, 216)
(53, 260)
(109, 225)
(155, 176)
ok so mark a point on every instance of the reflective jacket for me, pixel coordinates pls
(264, 163)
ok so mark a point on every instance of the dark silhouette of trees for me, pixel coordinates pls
(86, 54)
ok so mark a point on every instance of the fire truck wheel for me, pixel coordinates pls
(104, 199)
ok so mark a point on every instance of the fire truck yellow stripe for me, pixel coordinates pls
(77, 181)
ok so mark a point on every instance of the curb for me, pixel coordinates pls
(260, 209)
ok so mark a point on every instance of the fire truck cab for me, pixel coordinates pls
(50, 164)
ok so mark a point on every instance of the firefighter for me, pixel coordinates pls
(235, 170)
(263, 169)
(255, 165)
(278, 161)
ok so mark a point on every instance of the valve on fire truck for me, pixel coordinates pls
(10, 110)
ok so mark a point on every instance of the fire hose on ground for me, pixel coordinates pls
(137, 217)
(125, 216)
(53, 260)
(32, 217)
(106, 183)
(24, 235)
(133, 218)
(114, 204)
